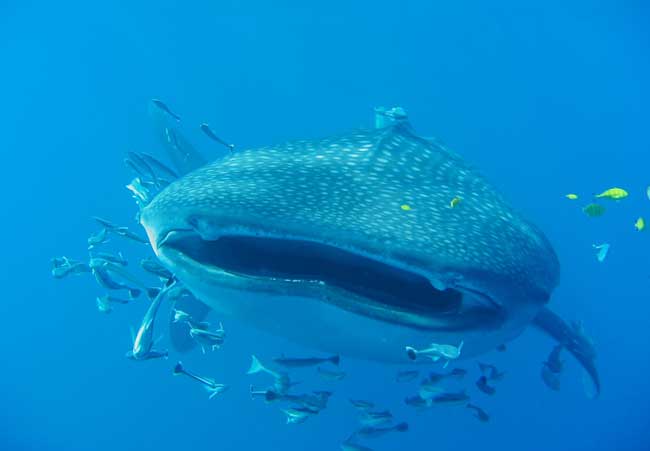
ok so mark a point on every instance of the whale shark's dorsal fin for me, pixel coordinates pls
(178, 150)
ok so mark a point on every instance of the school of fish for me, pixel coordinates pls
(125, 285)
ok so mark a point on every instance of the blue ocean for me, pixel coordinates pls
(269, 149)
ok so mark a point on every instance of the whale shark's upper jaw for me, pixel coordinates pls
(363, 221)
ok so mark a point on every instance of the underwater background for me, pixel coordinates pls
(545, 98)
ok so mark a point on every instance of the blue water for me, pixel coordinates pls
(545, 98)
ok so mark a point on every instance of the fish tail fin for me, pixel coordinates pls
(573, 339)
(256, 366)
(402, 427)
(178, 368)
(152, 292)
(335, 359)
(134, 293)
(412, 353)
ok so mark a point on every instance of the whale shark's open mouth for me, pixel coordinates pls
(295, 261)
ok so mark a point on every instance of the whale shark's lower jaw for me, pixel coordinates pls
(363, 284)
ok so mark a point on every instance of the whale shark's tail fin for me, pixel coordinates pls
(573, 339)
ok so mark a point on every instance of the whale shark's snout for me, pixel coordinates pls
(362, 224)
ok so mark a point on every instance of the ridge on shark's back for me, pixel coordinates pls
(348, 244)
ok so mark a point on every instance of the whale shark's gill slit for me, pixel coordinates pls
(310, 261)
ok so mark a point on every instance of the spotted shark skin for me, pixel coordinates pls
(384, 194)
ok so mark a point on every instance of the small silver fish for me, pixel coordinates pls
(97, 238)
(490, 372)
(407, 376)
(601, 251)
(162, 106)
(140, 192)
(330, 375)
(181, 316)
(374, 419)
(104, 279)
(297, 415)
(212, 340)
(480, 414)
(306, 400)
(104, 222)
(120, 231)
(436, 378)
(140, 166)
(153, 267)
(373, 432)
(418, 402)
(316, 400)
(348, 445)
(105, 303)
(483, 385)
(126, 233)
(63, 267)
(290, 362)
(385, 117)
(436, 352)
(450, 398)
(159, 166)
(143, 341)
(103, 270)
(361, 404)
(205, 128)
(209, 384)
(430, 388)
(117, 259)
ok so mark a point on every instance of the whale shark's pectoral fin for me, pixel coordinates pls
(573, 339)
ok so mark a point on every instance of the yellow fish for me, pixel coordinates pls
(455, 201)
(405, 207)
(594, 210)
(613, 193)
(639, 224)
(571, 196)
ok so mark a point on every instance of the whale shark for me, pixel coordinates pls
(349, 245)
